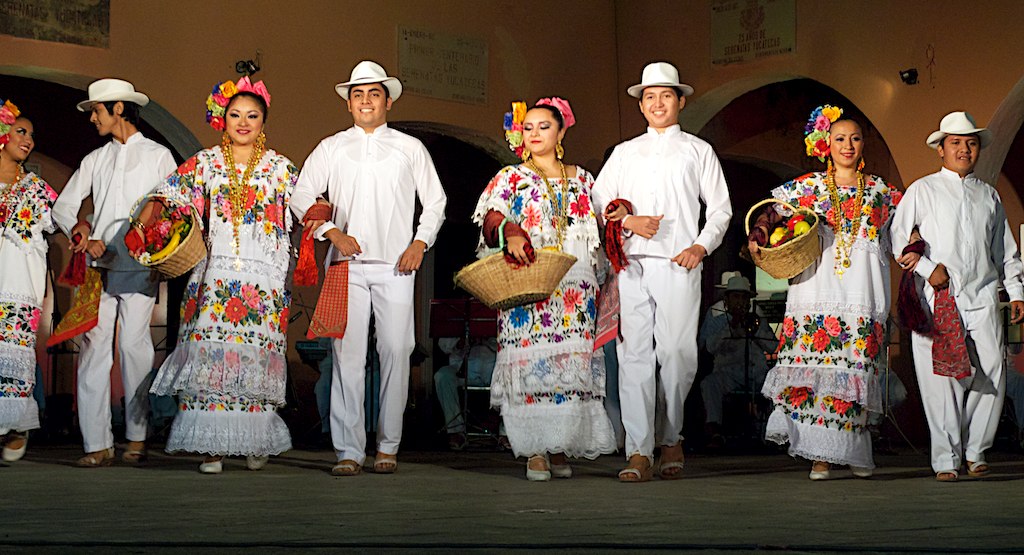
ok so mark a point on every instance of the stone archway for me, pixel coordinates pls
(64, 137)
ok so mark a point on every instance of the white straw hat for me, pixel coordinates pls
(659, 74)
(959, 123)
(112, 90)
(367, 72)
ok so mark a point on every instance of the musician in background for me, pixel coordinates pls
(726, 335)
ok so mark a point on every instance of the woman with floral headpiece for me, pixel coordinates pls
(548, 381)
(832, 344)
(25, 204)
(229, 367)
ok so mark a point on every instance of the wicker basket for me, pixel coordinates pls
(188, 253)
(792, 258)
(499, 285)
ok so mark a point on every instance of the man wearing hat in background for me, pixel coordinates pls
(738, 339)
(372, 175)
(663, 174)
(969, 251)
(115, 176)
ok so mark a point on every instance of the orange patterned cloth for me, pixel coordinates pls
(85, 310)
(331, 315)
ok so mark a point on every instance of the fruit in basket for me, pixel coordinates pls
(794, 227)
(168, 249)
(777, 235)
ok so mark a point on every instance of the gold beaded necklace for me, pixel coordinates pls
(238, 192)
(846, 231)
(557, 202)
(9, 199)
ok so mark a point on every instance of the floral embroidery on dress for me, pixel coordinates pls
(25, 210)
(828, 340)
(18, 323)
(222, 403)
(799, 403)
(809, 191)
(12, 388)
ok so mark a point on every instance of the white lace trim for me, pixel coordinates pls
(846, 384)
(18, 362)
(578, 429)
(798, 308)
(201, 367)
(571, 366)
(273, 272)
(21, 413)
(817, 443)
(229, 433)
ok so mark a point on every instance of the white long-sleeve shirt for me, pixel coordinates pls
(964, 226)
(373, 181)
(668, 173)
(115, 175)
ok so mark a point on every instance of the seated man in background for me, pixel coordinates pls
(479, 367)
(726, 334)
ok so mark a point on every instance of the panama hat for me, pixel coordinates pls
(959, 123)
(659, 74)
(112, 90)
(726, 276)
(367, 72)
(739, 284)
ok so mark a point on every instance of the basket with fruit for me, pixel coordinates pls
(793, 244)
(172, 241)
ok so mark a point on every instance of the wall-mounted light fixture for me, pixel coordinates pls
(909, 76)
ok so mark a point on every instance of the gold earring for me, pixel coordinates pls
(225, 138)
(559, 151)
(860, 165)
(829, 169)
(526, 155)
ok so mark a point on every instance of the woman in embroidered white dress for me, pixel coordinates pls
(25, 202)
(548, 381)
(832, 344)
(229, 367)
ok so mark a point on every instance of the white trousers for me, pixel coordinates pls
(963, 414)
(660, 306)
(380, 288)
(135, 345)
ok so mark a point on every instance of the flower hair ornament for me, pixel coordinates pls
(514, 128)
(562, 105)
(816, 132)
(217, 102)
(8, 113)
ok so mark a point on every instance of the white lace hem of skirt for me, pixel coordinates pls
(817, 443)
(20, 413)
(229, 433)
(203, 367)
(846, 384)
(578, 429)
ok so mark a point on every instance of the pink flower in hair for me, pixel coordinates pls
(258, 88)
(562, 105)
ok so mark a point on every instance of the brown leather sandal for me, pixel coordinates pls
(346, 467)
(384, 463)
(637, 470)
(670, 463)
(96, 459)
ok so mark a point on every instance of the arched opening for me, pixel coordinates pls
(759, 137)
(758, 133)
(64, 136)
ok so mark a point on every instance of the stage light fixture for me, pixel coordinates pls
(909, 76)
